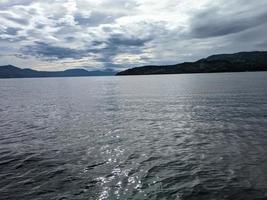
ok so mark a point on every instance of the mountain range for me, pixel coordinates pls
(237, 62)
(10, 71)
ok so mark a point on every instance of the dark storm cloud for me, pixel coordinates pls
(119, 39)
(47, 51)
(115, 44)
(213, 22)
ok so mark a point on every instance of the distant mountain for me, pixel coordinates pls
(9, 71)
(238, 62)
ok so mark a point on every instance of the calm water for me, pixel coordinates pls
(201, 136)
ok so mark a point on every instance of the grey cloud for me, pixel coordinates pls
(46, 51)
(10, 34)
(119, 39)
(10, 3)
(95, 19)
(213, 22)
(109, 31)
(18, 20)
(116, 44)
(70, 39)
(39, 25)
(11, 31)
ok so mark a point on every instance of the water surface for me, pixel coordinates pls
(200, 136)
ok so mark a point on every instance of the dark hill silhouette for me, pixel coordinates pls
(238, 62)
(9, 71)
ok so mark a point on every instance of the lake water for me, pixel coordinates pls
(181, 137)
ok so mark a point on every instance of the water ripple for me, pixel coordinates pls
(181, 137)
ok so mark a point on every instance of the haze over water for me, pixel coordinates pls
(200, 136)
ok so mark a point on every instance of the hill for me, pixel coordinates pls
(9, 71)
(238, 62)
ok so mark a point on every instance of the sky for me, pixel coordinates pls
(119, 34)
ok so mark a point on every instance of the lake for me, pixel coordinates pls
(181, 137)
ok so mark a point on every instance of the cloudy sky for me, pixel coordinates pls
(118, 34)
